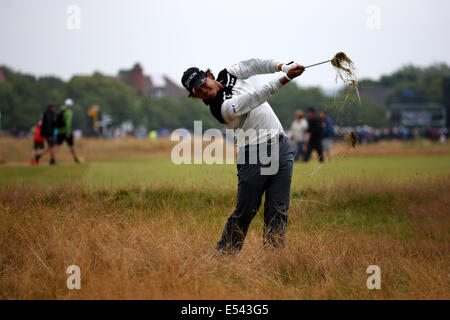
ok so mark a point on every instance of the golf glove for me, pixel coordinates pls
(285, 67)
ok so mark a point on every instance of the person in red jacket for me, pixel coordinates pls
(38, 144)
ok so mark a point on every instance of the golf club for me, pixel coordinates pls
(316, 64)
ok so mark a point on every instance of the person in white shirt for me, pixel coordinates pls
(235, 103)
(299, 133)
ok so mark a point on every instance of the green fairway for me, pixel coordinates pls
(125, 171)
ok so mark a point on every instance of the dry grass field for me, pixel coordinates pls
(140, 227)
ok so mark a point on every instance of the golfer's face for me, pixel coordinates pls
(206, 91)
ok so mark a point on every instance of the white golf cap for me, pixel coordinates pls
(68, 102)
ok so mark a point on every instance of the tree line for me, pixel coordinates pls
(24, 97)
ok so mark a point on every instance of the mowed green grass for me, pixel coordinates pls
(119, 172)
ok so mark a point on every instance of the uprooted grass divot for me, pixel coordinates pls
(346, 72)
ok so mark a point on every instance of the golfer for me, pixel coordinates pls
(234, 102)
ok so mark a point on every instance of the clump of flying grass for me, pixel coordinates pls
(346, 71)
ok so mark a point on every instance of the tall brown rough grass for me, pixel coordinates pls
(156, 242)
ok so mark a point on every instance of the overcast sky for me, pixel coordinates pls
(167, 36)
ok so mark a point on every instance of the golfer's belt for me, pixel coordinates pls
(275, 139)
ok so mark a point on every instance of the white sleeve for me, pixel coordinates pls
(305, 125)
(244, 103)
(246, 69)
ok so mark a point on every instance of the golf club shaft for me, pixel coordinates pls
(316, 64)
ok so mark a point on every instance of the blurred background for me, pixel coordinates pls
(121, 62)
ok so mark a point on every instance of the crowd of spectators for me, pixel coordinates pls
(368, 134)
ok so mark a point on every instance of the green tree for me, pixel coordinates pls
(114, 97)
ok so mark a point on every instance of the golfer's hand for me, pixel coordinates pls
(285, 67)
(295, 71)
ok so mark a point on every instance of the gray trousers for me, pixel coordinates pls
(251, 187)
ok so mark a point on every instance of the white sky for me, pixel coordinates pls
(168, 36)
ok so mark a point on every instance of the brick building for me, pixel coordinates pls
(154, 84)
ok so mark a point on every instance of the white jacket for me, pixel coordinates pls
(299, 130)
(242, 107)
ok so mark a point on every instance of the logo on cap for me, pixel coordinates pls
(188, 81)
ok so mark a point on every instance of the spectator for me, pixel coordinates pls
(38, 144)
(299, 135)
(48, 132)
(65, 132)
(327, 134)
(315, 135)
